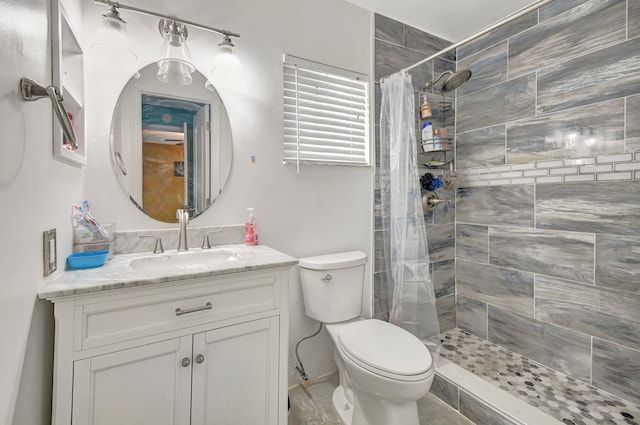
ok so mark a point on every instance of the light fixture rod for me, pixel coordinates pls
(512, 17)
(160, 15)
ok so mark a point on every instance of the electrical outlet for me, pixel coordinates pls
(49, 251)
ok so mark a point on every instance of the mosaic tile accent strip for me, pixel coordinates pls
(567, 399)
(617, 167)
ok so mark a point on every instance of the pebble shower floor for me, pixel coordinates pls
(567, 399)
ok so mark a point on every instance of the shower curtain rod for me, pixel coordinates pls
(498, 24)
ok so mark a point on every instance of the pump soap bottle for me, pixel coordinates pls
(251, 229)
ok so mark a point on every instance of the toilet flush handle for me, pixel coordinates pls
(327, 278)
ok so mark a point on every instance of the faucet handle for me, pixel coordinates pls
(205, 241)
(182, 214)
(157, 249)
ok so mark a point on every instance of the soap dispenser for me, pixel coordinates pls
(251, 229)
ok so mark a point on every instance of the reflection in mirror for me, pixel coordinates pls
(171, 145)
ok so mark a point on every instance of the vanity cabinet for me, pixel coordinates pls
(207, 351)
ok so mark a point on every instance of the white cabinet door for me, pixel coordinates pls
(235, 382)
(142, 385)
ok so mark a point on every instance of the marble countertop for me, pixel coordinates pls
(118, 273)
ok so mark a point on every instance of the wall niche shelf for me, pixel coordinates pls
(68, 74)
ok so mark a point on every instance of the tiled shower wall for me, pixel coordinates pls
(548, 220)
(398, 46)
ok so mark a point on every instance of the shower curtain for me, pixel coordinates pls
(406, 251)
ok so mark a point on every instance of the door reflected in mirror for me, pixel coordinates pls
(171, 145)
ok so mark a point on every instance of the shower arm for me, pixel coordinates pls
(488, 29)
(31, 91)
(432, 83)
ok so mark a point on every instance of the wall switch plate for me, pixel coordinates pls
(49, 251)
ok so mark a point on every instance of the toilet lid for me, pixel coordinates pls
(383, 347)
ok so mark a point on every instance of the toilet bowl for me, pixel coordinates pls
(383, 368)
(387, 368)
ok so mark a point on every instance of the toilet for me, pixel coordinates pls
(384, 370)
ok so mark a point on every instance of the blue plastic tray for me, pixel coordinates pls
(87, 260)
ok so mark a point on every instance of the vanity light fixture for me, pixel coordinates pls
(175, 64)
(111, 37)
(226, 64)
(226, 47)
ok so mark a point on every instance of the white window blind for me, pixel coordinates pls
(326, 114)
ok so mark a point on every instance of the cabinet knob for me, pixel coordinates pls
(186, 362)
(199, 358)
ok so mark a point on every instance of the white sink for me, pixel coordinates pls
(185, 259)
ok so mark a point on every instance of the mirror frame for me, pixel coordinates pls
(128, 115)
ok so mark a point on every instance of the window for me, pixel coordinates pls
(326, 114)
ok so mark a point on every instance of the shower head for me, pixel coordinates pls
(455, 80)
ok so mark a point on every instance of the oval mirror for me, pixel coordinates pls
(171, 145)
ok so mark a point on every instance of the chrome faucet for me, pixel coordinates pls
(182, 214)
(157, 249)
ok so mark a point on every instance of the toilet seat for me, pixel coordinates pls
(385, 349)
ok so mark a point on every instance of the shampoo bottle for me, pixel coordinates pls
(251, 229)
(427, 136)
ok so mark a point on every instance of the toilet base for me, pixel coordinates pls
(343, 408)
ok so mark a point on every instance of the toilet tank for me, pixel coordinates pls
(332, 285)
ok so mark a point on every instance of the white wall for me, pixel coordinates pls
(321, 210)
(36, 193)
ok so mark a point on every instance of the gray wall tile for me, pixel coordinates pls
(444, 278)
(603, 313)
(585, 29)
(589, 207)
(512, 100)
(618, 262)
(441, 239)
(440, 65)
(616, 369)
(500, 205)
(426, 43)
(585, 80)
(633, 124)
(378, 101)
(472, 242)
(481, 413)
(488, 67)
(379, 253)
(446, 307)
(598, 129)
(382, 291)
(445, 391)
(557, 7)
(567, 255)
(390, 58)
(472, 316)
(445, 213)
(498, 35)
(634, 19)
(562, 349)
(486, 146)
(388, 29)
(509, 289)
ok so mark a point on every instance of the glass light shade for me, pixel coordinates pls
(226, 64)
(175, 67)
(111, 41)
